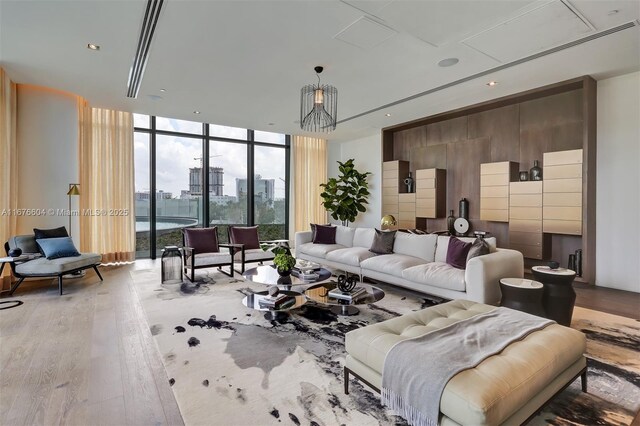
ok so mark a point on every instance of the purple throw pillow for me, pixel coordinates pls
(325, 235)
(202, 240)
(457, 253)
(313, 229)
(247, 235)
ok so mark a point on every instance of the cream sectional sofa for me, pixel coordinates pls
(418, 262)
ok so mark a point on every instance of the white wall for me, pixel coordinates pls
(47, 138)
(367, 155)
(618, 183)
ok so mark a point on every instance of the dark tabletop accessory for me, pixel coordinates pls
(536, 171)
(553, 264)
(346, 283)
(15, 252)
(524, 176)
(463, 208)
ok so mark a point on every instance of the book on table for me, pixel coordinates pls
(338, 294)
(282, 303)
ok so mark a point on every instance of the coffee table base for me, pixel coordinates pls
(346, 310)
(276, 315)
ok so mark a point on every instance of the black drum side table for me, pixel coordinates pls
(523, 295)
(559, 296)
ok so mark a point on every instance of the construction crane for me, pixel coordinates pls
(201, 158)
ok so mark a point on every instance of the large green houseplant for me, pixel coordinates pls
(346, 196)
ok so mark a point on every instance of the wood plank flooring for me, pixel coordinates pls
(88, 357)
(84, 358)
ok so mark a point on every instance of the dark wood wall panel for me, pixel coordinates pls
(517, 128)
(446, 131)
(502, 125)
(463, 173)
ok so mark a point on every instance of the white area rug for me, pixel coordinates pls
(228, 365)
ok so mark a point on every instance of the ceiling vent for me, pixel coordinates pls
(151, 15)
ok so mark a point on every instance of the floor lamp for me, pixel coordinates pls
(73, 190)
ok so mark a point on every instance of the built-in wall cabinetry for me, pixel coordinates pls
(494, 190)
(562, 202)
(476, 152)
(393, 172)
(431, 193)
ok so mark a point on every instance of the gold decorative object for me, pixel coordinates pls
(388, 221)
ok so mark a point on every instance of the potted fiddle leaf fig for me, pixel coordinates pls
(346, 196)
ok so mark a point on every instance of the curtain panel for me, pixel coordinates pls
(310, 170)
(107, 219)
(8, 166)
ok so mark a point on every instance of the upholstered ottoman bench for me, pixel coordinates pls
(507, 388)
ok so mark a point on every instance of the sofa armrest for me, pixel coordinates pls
(483, 274)
(302, 237)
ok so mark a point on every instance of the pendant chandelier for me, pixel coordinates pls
(318, 106)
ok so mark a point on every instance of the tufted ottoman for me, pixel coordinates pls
(507, 388)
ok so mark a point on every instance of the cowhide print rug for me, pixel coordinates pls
(228, 365)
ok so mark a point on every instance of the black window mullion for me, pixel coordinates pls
(287, 176)
(251, 201)
(205, 175)
(152, 190)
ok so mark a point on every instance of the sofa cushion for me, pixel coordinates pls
(457, 253)
(318, 250)
(363, 237)
(350, 255)
(479, 248)
(202, 240)
(254, 254)
(392, 264)
(443, 245)
(313, 229)
(344, 235)
(50, 233)
(325, 235)
(437, 274)
(44, 266)
(26, 243)
(422, 246)
(383, 242)
(246, 235)
(55, 248)
(204, 259)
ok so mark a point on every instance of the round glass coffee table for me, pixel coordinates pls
(319, 293)
(268, 275)
(293, 300)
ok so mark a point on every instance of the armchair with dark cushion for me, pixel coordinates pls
(250, 251)
(202, 250)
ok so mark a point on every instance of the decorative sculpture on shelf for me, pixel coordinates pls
(409, 182)
(388, 222)
(536, 171)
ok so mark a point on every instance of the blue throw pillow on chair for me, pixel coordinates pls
(55, 248)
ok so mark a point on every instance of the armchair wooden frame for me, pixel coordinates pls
(189, 260)
(243, 260)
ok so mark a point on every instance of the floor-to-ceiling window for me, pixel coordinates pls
(246, 182)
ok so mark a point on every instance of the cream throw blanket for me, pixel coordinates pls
(417, 370)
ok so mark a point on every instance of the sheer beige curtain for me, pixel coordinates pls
(8, 165)
(107, 219)
(310, 170)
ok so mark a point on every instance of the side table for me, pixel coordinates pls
(559, 296)
(523, 295)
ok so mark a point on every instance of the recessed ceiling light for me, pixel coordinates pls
(155, 97)
(196, 112)
(93, 46)
(492, 83)
(387, 115)
(448, 62)
(271, 124)
(163, 90)
(613, 12)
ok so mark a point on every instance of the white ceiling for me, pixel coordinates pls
(242, 63)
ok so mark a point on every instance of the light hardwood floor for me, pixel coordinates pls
(84, 358)
(88, 357)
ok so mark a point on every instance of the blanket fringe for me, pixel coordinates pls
(412, 415)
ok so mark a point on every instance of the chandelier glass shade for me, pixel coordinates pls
(318, 106)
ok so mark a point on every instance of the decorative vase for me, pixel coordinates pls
(463, 208)
(284, 272)
(578, 263)
(524, 176)
(553, 264)
(450, 221)
(572, 262)
(409, 182)
(536, 171)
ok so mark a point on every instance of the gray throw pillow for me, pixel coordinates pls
(479, 248)
(383, 242)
